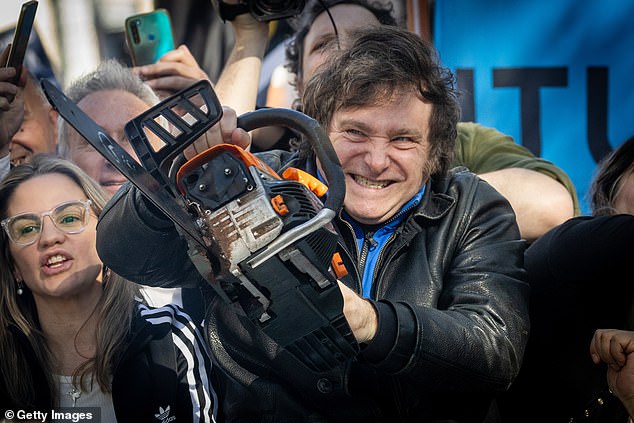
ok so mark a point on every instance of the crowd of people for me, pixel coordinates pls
(472, 287)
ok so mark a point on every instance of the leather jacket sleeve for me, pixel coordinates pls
(137, 241)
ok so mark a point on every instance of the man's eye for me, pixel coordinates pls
(323, 44)
(404, 143)
(318, 47)
(354, 133)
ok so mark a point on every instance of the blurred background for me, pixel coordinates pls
(74, 35)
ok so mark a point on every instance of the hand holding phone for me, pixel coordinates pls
(21, 38)
(149, 36)
(11, 106)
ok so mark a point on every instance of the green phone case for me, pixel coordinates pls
(149, 36)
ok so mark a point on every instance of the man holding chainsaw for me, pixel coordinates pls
(436, 293)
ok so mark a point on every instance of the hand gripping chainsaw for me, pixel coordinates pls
(263, 241)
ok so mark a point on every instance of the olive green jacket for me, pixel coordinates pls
(482, 149)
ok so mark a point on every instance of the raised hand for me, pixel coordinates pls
(176, 70)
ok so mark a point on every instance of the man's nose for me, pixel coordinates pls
(377, 156)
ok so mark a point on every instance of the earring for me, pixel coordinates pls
(105, 276)
(20, 289)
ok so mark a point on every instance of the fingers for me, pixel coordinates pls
(241, 138)
(611, 346)
(214, 135)
(175, 71)
(6, 74)
(197, 147)
(167, 78)
(177, 62)
(230, 132)
(170, 84)
(161, 69)
(225, 131)
(8, 91)
(228, 122)
(360, 314)
(180, 54)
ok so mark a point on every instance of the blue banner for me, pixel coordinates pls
(558, 76)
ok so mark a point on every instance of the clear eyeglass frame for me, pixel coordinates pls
(70, 217)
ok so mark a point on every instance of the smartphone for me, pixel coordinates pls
(149, 36)
(21, 38)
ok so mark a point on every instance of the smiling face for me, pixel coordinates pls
(320, 41)
(385, 160)
(57, 265)
(111, 110)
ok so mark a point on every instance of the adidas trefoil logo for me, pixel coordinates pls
(164, 415)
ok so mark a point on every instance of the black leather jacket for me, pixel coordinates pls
(451, 294)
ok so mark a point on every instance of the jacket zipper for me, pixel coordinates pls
(376, 281)
(368, 241)
(359, 278)
(379, 261)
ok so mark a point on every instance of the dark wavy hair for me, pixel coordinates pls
(607, 179)
(381, 62)
(301, 25)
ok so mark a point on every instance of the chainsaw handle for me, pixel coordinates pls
(315, 135)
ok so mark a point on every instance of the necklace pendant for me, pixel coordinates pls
(75, 395)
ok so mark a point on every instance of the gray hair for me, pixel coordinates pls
(109, 75)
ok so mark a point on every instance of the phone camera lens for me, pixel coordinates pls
(135, 31)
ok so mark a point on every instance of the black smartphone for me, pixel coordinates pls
(21, 38)
(149, 36)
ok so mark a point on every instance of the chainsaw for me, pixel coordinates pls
(264, 242)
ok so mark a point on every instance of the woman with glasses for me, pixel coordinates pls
(74, 334)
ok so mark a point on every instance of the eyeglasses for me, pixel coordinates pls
(70, 217)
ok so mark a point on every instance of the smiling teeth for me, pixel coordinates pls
(368, 183)
(57, 259)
